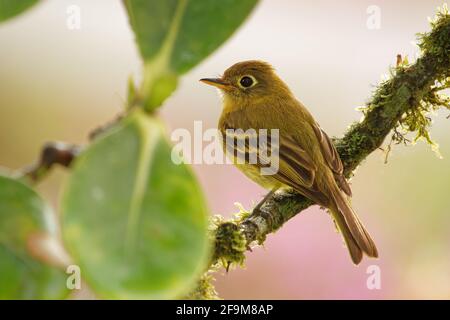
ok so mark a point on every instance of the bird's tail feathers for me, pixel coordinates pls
(356, 237)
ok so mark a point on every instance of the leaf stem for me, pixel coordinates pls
(158, 69)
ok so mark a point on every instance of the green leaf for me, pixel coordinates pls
(135, 222)
(12, 8)
(175, 35)
(24, 221)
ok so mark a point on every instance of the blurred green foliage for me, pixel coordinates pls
(11, 8)
(134, 221)
(175, 35)
(24, 217)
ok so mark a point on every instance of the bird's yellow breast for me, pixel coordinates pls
(254, 173)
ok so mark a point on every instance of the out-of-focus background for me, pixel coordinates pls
(59, 84)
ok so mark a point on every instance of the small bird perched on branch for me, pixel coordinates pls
(255, 98)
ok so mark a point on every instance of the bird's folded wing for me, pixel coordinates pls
(332, 158)
(295, 166)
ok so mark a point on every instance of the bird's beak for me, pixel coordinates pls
(216, 82)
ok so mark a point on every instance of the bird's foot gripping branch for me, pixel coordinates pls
(400, 105)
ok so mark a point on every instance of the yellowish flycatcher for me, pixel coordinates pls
(254, 97)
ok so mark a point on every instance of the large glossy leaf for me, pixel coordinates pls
(12, 8)
(24, 221)
(175, 35)
(133, 220)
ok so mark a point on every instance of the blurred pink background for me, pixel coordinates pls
(59, 84)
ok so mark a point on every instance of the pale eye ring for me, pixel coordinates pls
(247, 81)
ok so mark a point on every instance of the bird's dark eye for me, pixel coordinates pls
(246, 82)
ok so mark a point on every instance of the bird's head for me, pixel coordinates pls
(249, 81)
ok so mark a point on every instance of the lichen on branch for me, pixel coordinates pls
(401, 104)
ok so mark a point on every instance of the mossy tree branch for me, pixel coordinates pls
(400, 104)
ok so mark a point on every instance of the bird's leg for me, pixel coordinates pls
(261, 203)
